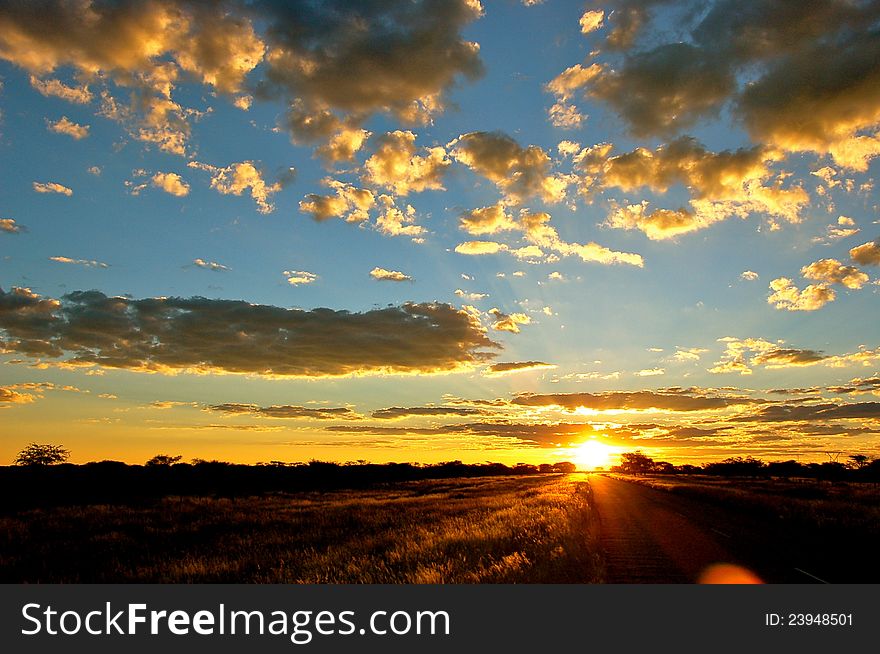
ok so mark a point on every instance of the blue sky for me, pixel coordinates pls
(187, 149)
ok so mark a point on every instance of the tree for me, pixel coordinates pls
(635, 463)
(163, 460)
(859, 461)
(41, 455)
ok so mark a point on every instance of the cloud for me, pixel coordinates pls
(787, 358)
(8, 395)
(741, 355)
(391, 57)
(480, 247)
(730, 183)
(814, 412)
(519, 173)
(239, 177)
(348, 202)
(677, 84)
(287, 411)
(688, 353)
(396, 166)
(512, 367)
(398, 222)
(171, 183)
(844, 228)
(473, 297)
(210, 265)
(536, 434)
(539, 232)
(340, 139)
(591, 20)
(749, 276)
(858, 385)
(299, 277)
(487, 220)
(88, 263)
(650, 372)
(142, 47)
(396, 413)
(171, 334)
(787, 296)
(508, 322)
(58, 89)
(9, 226)
(798, 78)
(66, 126)
(52, 187)
(383, 275)
(633, 401)
(831, 271)
(571, 79)
(867, 254)
(565, 116)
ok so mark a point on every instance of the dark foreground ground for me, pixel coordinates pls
(551, 528)
(662, 530)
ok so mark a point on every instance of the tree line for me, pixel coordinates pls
(41, 476)
(856, 467)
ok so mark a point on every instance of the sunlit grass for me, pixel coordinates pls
(485, 530)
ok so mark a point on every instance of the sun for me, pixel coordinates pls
(593, 454)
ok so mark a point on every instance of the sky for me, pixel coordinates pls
(433, 230)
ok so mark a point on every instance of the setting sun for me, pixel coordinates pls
(592, 455)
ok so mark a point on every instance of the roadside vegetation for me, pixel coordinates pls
(508, 529)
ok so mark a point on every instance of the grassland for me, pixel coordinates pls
(482, 530)
(807, 503)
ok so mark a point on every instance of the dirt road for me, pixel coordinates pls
(651, 536)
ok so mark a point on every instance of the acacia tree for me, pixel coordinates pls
(163, 460)
(46, 454)
(636, 462)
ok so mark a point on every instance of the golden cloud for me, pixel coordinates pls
(239, 177)
(52, 187)
(831, 271)
(508, 322)
(396, 166)
(867, 254)
(9, 226)
(348, 202)
(66, 126)
(512, 367)
(383, 275)
(287, 411)
(519, 173)
(787, 296)
(169, 335)
(171, 183)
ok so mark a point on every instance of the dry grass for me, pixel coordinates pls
(484, 530)
(810, 503)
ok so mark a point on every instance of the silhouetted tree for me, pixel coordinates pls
(790, 468)
(636, 463)
(41, 455)
(564, 466)
(163, 460)
(737, 466)
(859, 461)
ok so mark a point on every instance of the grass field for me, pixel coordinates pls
(807, 503)
(483, 530)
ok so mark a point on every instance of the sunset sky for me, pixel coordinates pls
(424, 230)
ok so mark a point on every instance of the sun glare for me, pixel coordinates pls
(592, 455)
